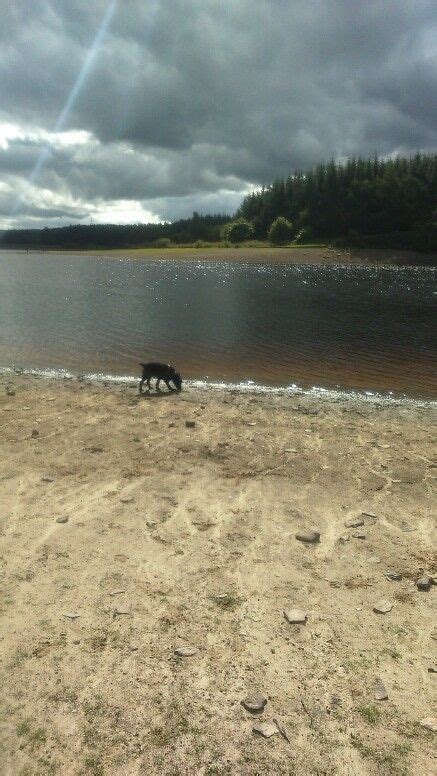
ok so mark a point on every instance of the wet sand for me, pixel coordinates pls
(183, 536)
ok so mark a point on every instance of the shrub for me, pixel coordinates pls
(281, 231)
(238, 231)
(162, 242)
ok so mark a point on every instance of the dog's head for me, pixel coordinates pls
(177, 379)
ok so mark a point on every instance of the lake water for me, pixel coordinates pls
(328, 326)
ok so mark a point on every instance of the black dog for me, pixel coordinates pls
(161, 372)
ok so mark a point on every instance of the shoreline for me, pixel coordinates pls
(245, 388)
(323, 255)
(133, 526)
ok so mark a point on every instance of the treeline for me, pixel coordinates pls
(186, 231)
(364, 201)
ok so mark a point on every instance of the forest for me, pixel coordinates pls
(361, 202)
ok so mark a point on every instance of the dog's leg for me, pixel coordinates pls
(157, 384)
(168, 385)
(148, 383)
(141, 385)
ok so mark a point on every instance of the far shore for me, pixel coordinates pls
(322, 254)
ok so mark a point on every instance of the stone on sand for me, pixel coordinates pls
(309, 536)
(254, 703)
(190, 424)
(383, 606)
(295, 616)
(265, 729)
(424, 583)
(62, 519)
(430, 723)
(354, 522)
(186, 651)
(379, 691)
(393, 576)
(71, 615)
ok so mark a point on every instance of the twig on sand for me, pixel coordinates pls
(307, 712)
(281, 729)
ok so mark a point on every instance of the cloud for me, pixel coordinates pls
(190, 102)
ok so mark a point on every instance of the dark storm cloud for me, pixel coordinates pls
(193, 102)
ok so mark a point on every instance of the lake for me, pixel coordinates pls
(360, 328)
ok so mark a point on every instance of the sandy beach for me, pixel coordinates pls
(147, 565)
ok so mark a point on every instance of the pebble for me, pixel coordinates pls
(121, 610)
(190, 424)
(35, 433)
(354, 522)
(368, 514)
(171, 425)
(127, 499)
(151, 524)
(393, 576)
(254, 703)
(185, 651)
(343, 538)
(430, 723)
(309, 536)
(295, 616)
(76, 641)
(383, 606)
(432, 670)
(424, 583)
(358, 535)
(47, 479)
(62, 519)
(117, 592)
(265, 729)
(379, 691)
(71, 615)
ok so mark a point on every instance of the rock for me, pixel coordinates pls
(432, 669)
(343, 538)
(121, 610)
(393, 576)
(171, 425)
(430, 723)
(295, 616)
(62, 519)
(127, 499)
(354, 522)
(424, 583)
(185, 651)
(190, 424)
(406, 527)
(71, 615)
(117, 592)
(383, 606)
(358, 535)
(254, 703)
(10, 392)
(35, 433)
(379, 691)
(310, 536)
(76, 641)
(151, 524)
(265, 729)
(369, 514)
(47, 479)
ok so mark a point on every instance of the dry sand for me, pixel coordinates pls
(183, 536)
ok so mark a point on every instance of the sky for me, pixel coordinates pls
(128, 111)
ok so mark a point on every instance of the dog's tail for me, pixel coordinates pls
(141, 364)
